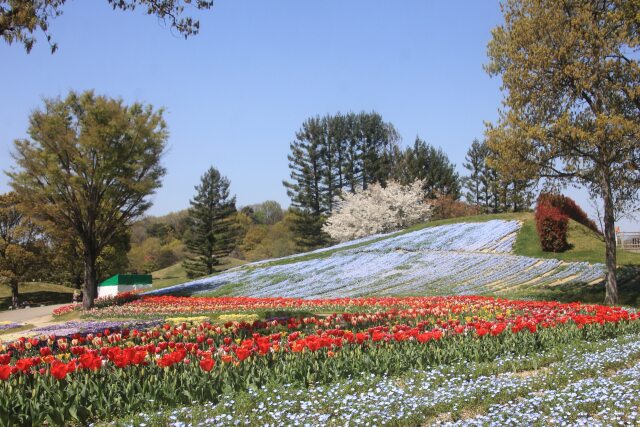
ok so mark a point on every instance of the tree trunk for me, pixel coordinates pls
(611, 286)
(90, 289)
(14, 293)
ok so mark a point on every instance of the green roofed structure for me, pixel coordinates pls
(124, 283)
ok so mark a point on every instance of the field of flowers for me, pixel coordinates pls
(416, 357)
(457, 259)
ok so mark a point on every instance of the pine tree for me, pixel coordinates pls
(307, 168)
(430, 165)
(212, 229)
(377, 140)
(307, 229)
(476, 183)
(488, 189)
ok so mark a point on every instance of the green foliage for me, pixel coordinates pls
(67, 265)
(213, 228)
(307, 230)
(87, 170)
(264, 241)
(20, 19)
(158, 242)
(22, 245)
(431, 165)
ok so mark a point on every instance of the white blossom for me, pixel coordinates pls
(377, 210)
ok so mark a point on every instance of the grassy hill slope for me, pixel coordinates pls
(175, 273)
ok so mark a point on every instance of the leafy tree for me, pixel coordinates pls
(570, 71)
(20, 19)
(269, 212)
(213, 231)
(67, 265)
(87, 170)
(429, 165)
(22, 245)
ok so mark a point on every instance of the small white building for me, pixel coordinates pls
(124, 283)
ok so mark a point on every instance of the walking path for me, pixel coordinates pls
(35, 316)
(27, 315)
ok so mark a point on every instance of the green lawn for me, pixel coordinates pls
(37, 294)
(586, 245)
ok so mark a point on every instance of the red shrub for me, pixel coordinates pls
(570, 208)
(552, 226)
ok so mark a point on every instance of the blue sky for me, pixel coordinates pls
(236, 93)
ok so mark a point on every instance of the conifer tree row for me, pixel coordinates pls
(331, 155)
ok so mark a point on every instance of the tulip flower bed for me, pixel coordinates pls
(127, 369)
(564, 386)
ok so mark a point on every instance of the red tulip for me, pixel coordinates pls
(207, 364)
(59, 369)
(5, 372)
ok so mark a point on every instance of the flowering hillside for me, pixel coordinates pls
(458, 259)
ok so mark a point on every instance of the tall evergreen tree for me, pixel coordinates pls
(307, 167)
(431, 165)
(212, 228)
(476, 183)
(307, 229)
(377, 140)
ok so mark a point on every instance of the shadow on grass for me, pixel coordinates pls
(38, 298)
(628, 290)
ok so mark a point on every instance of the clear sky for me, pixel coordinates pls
(236, 93)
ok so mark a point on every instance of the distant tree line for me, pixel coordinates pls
(344, 153)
